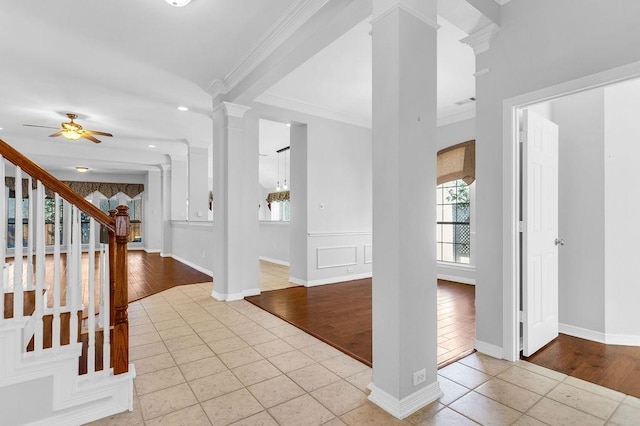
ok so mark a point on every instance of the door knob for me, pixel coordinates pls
(559, 242)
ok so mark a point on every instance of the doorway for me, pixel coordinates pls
(512, 191)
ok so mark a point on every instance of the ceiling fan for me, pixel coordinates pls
(73, 131)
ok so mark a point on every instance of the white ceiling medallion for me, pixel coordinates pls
(178, 3)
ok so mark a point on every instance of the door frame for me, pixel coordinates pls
(511, 189)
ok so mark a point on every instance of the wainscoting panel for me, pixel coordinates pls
(331, 257)
(368, 253)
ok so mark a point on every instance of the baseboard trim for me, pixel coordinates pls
(582, 333)
(339, 279)
(272, 260)
(622, 339)
(152, 250)
(193, 265)
(457, 279)
(401, 408)
(227, 297)
(297, 281)
(489, 349)
(251, 292)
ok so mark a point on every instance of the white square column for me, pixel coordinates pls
(235, 214)
(404, 205)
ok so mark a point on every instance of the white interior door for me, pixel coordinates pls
(540, 232)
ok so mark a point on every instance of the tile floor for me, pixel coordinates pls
(274, 276)
(203, 362)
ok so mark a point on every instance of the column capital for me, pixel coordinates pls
(480, 40)
(234, 110)
(417, 8)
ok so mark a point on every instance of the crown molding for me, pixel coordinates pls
(217, 87)
(480, 40)
(307, 108)
(235, 110)
(502, 2)
(403, 6)
(290, 21)
(454, 118)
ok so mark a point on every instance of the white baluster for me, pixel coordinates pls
(3, 236)
(105, 310)
(40, 261)
(17, 256)
(68, 220)
(91, 288)
(56, 274)
(30, 239)
(73, 276)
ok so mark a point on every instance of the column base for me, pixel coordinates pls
(401, 408)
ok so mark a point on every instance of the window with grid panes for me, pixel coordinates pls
(453, 234)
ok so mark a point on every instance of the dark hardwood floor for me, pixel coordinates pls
(340, 315)
(612, 366)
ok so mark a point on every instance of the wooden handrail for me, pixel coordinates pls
(48, 180)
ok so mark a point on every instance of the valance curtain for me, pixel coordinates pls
(278, 196)
(83, 188)
(457, 162)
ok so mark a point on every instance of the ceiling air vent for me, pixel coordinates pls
(465, 101)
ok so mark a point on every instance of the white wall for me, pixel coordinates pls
(274, 241)
(152, 212)
(540, 44)
(337, 168)
(621, 204)
(581, 221)
(192, 244)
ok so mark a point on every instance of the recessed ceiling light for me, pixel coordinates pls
(178, 3)
(151, 146)
(288, 124)
(82, 169)
(0, 128)
(183, 108)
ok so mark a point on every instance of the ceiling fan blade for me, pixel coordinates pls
(95, 132)
(59, 133)
(44, 127)
(91, 138)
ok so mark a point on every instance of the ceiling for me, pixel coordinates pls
(125, 66)
(342, 82)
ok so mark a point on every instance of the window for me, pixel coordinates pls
(135, 214)
(281, 210)
(11, 221)
(453, 235)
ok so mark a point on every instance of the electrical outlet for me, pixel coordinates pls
(419, 377)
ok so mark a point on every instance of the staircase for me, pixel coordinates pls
(64, 333)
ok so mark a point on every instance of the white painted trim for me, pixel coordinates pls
(454, 118)
(510, 166)
(481, 72)
(335, 265)
(502, 2)
(165, 254)
(235, 110)
(338, 234)
(228, 297)
(311, 109)
(190, 223)
(251, 292)
(489, 349)
(297, 281)
(193, 265)
(622, 339)
(410, 10)
(582, 333)
(272, 260)
(457, 279)
(152, 250)
(480, 40)
(333, 280)
(368, 249)
(401, 408)
(288, 23)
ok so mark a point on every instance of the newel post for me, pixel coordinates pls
(120, 343)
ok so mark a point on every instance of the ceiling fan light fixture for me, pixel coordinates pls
(178, 3)
(82, 169)
(183, 108)
(71, 134)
